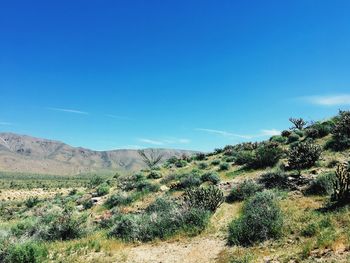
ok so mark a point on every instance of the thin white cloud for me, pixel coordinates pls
(224, 133)
(271, 132)
(153, 142)
(166, 141)
(330, 100)
(69, 110)
(5, 123)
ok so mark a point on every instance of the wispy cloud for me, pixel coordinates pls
(230, 135)
(270, 132)
(5, 123)
(330, 100)
(69, 110)
(166, 141)
(224, 133)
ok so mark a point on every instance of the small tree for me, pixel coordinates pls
(151, 157)
(298, 123)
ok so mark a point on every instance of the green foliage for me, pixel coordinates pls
(286, 133)
(180, 163)
(200, 156)
(243, 191)
(293, 137)
(28, 252)
(95, 181)
(341, 132)
(224, 166)
(87, 204)
(102, 189)
(274, 179)
(278, 138)
(160, 220)
(206, 198)
(266, 155)
(303, 155)
(215, 162)
(322, 185)
(31, 202)
(261, 220)
(189, 180)
(154, 175)
(202, 165)
(341, 184)
(119, 199)
(212, 177)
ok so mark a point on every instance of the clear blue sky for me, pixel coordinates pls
(181, 74)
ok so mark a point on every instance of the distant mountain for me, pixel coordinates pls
(25, 154)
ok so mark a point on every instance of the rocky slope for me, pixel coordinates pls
(25, 154)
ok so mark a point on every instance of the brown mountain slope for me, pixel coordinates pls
(25, 154)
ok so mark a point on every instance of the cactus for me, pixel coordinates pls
(341, 185)
(206, 198)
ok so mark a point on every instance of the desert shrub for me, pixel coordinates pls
(189, 181)
(87, 204)
(243, 157)
(27, 252)
(310, 230)
(300, 133)
(303, 155)
(102, 189)
(61, 224)
(298, 123)
(293, 137)
(332, 163)
(31, 202)
(322, 185)
(243, 191)
(160, 220)
(128, 183)
(180, 163)
(218, 151)
(266, 155)
(95, 181)
(341, 132)
(154, 175)
(119, 199)
(286, 133)
(278, 138)
(261, 220)
(202, 165)
(211, 177)
(274, 179)
(215, 162)
(224, 166)
(205, 198)
(200, 156)
(25, 227)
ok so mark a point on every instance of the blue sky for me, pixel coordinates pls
(171, 74)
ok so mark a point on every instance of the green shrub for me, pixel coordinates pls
(266, 155)
(224, 166)
(310, 230)
(119, 199)
(95, 181)
(154, 175)
(180, 163)
(25, 227)
(243, 191)
(102, 189)
(293, 137)
(202, 166)
(278, 138)
(286, 133)
(28, 252)
(303, 155)
(87, 204)
(215, 162)
(341, 131)
(261, 220)
(243, 157)
(205, 198)
(189, 181)
(277, 179)
(31, 202)
(322, 185)
(200, 156)
(212, 177)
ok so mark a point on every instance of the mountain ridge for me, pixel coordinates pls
(28, 154)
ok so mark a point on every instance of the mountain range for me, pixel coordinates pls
(26, 154)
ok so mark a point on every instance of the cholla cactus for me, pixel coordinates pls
(206, 198)
(298, 123)
(342, 183)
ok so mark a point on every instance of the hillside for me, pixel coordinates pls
(25, 154)
(286, 199)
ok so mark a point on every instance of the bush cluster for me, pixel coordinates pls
(341, 132)
(322, 185)
(303, 155)
(261, 220)
(243, 191)
(274, 179)
(204, 198)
